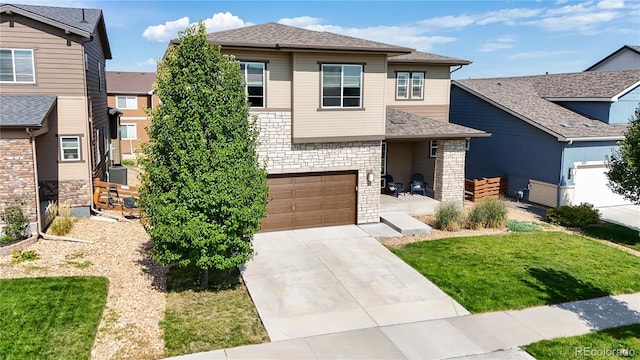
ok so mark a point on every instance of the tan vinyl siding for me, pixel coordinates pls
(436, 112)
(277, 74)
(436, 85)
(58, 63)
(311, 122)
(69, 120)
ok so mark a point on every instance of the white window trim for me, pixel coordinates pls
(264, 82)
(135, 131)
(341, 87)
(410, 85)
(77, 138)
(433, 148)
(127, 105)
(13, 66)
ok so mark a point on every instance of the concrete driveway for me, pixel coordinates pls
(326, 280)
(626, 215)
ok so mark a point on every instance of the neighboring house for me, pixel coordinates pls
(625, 58)
(548, 130)
(325, 105)
(55, 126)
(132, 93)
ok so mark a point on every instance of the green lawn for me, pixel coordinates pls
(614, 233)
(618, 343)
(223, 316)
(513, 271)
(51, 317)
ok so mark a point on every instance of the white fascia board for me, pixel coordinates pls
(617, 97)
(595, 138)
(603, 99)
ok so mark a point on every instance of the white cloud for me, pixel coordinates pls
(451, 22)
(301, 21)
(151, 61)
(502, 42)
(223, 21)
(166, 31)
(507, 16)
(169, 30)
(611, 4)
(538, 54)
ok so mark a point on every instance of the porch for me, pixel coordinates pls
(413, 205)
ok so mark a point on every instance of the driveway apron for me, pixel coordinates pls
(326, 280)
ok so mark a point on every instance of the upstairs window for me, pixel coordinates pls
(341, 86)
(126, 102)
(254, 82)
(128, 132)
(409, 85)
(70, 148)
(433, 148)
(16, 66)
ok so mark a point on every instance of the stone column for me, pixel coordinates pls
(17, 175)
(450, 157)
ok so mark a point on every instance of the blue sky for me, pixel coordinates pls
(502, 38)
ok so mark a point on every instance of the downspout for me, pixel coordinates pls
(456, 69)
(37, 191)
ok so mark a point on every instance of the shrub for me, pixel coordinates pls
(61, 225)
(489, 214)
(16, 224)
(574, 216)
(522, 226)
(448, 217)
(19, 256)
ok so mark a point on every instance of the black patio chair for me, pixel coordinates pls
(417, 185)
(393, 187)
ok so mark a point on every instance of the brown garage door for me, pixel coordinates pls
(309, 200)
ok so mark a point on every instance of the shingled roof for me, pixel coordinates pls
(79, 21)
(405, 125)
(278, 36)
(423, 57)
(126, 82)
(524, 97)
(25, 110)
(604, 85)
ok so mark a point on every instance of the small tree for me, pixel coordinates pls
(202, 188)
(624, 164)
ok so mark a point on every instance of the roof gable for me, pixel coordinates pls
(277, 36)
(83, 22)
(631, 48)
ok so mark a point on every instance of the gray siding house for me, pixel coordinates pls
(55, 124)
(548, 131)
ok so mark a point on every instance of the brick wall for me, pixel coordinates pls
(450, 157)
(17, 175)
(281, 156)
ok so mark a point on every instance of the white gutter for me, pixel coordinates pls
(595, 138)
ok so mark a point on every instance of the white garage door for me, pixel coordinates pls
(591, 187)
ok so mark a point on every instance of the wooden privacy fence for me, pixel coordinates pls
(110, 196)
(485, 188)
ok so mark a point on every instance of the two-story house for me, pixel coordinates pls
(132, 93)
(332, 109)
(551, 134)
(55, 126)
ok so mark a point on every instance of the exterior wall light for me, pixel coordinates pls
(370, 177)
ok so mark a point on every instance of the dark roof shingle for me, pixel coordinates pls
(277, 36)
(125, 82)
(525, 97)
(404, 125)
(423, 57)
(67, 16)
(25, 110)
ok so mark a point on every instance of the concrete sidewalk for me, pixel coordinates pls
(483, 336)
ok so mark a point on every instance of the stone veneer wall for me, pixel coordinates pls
(17, 175)
(449, 171)
(281, 156)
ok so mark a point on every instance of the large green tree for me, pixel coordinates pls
(624, 164)
(203, 188)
